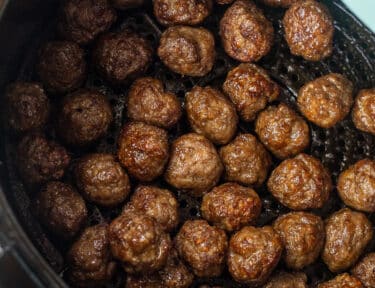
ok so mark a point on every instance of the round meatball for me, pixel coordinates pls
(364, 270)
(300, 183)
(245, 32)
(364, 111)
(61, 209)
(148, 102)
(309, 30)
(187, 50)
(84, 117)
(231, 206)
(287, 280)
(126, 4)
(61, 66)
(347, 235)
(143, 150)
(250, 89)
(194, 164)
(280, 3)
(143, 281)
(245, 160)
(253, 254)
(326, 100)
(342, 281)
(211, 114)
(303, 236)
(203, 247)
(282, 131)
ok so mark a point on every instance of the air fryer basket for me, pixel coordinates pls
(338, 147)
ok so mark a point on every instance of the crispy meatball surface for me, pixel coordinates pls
(127, 4)
(364, 111)
(287, 280)
(342, 281)
(364, 270)
(280, 3)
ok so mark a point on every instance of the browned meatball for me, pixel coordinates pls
(222, 2)
(126, 4)
(301, 183)
(211, 114)
(253, 254)
(84, 117)
(280, 3)
(287, 280)
(203, 247)
(61, 209)
(245, 160)
(250, 89)
(326, 100)
(347, 235)
(342, 281)
(282, 131)
(187, 50)
(148, 102)
(143, 150)
(143, 281)
(364, 111)
(61, 66)
(245, 32)
(309, 30)
(303, 236)
(364, 270)
(231, 206)
(194, 164)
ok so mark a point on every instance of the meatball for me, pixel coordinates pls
(253, 254)
(61, 209)
(143, 150)
(102, 180)
(61, 66)
(245, 32)
(126, 4)
(326, 100)
(301, 183)
(122, 56)
(280, 3)
(231, 206)
(309, 30)
(211, 114)
(303, 237)
(143, 281)
(245, 160)
(364, 270)
(364, 111)
(203, 247)
(84, 117)
(287, 280)
(187, 50)
(282, 131)
(347, 235)
(89, 259)
(222, 2)
(194, 164)
(250, 89)
(342, 281)
(148, 102)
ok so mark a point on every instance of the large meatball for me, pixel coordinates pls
(143, 150)
(126, 4)
(282, 131)
(211, 114)
(245, 32)
(364, 111)
(187, 50)
(253, 254)
(250, 89)
(303, 236)
(231, 206)
(347, 235)
(203, 247)
(364, 270)
(287, 280)
(326, 100)
(280, 3)
(309, 30)
(342, 281)
(301, 183)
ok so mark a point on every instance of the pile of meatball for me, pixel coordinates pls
(214, 162)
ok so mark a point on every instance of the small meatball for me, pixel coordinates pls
(61, 66)
(303, 236)
(84, 117)
(309, 30)
(187, 50)
(342, 281)
(364, 270)
(364, 111)
(250, 89)
(253, 254)
(127, 4)
(280, 3)
(245, 160)
(301, 183)
(194, 164)
(245, 32)
(282, 131)
(347, 235)
(148, 102)
(61, 209)
(143, 150)
(287, 280)
(326, 100)
(143, 281)
(203, 247)
(211, 114)
(231, 206)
